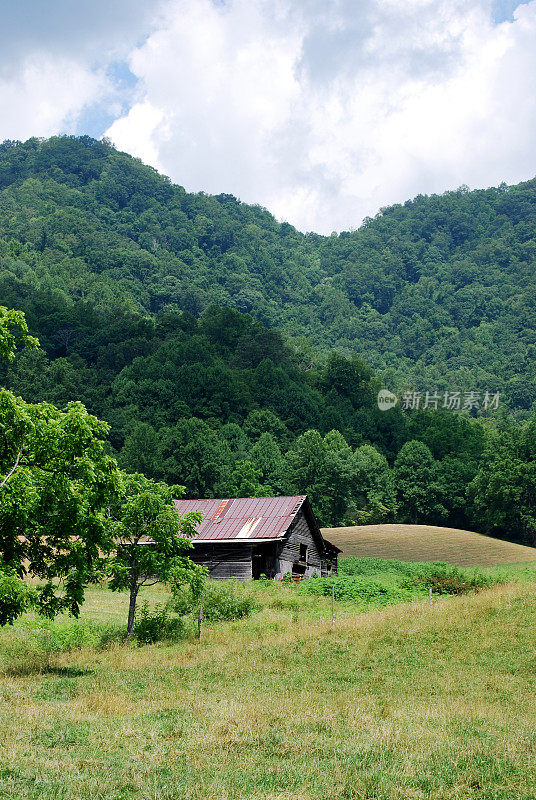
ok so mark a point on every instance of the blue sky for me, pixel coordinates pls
(321, 110)
(95, 120)
(503, 10)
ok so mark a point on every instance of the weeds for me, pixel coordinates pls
(377, 582)
(222, 600)
(34, 645)
(157, 625)
(448, 579)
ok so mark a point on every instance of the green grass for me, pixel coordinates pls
(513, 572)
(374, 582)
(409, 701)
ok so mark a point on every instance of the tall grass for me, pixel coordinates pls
(374, 582)
(414, 701)
(34, 644)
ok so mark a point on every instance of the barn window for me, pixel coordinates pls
(303, 552)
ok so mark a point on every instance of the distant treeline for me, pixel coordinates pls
(136, 290)
(226, 408)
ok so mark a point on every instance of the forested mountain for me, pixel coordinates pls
(222, 405)
(203, 332)
(435, 293)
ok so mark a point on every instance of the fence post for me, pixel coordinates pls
(332, 603)
(200, 618)
(430, 594)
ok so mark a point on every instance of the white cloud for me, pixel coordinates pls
(151, 131)
(60, 62)
(44, 95)
(324, 112)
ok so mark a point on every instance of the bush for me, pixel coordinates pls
(157, 625)
(376, 581)
(444, 578)
(222, 600)
(360, 589)
(110, 634)
(226, 600)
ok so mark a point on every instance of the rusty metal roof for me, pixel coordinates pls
(243, 518)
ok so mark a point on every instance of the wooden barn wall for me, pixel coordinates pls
(300, 533)
(225, 561)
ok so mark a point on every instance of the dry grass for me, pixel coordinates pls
(427, 543)
(104, 606)
(410, 702)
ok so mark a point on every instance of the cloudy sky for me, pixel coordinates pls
(321, 110)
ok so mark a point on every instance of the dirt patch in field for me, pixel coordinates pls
(427, 543)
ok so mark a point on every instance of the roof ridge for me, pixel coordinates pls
(226, 518)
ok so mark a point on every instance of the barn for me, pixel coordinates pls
(247, 537)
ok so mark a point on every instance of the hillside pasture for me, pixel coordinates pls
(415, 701)
(427, 543)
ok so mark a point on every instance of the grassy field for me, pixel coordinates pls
(412, 701)
(427, 543)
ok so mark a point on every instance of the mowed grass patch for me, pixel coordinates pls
(412, 701)
(427, 543)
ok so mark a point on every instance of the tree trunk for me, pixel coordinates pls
(132, 609)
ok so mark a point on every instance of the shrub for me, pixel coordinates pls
(444, 578)
(375, 566)
(226, 600)
(157, 625)
(111, 633)
(360, 589)
(375, 581)
(222, 600)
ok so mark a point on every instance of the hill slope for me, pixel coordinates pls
(414, 701)
(427, 543)
(438, 292)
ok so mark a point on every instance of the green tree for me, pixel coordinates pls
(416, 479)
(373, 489)
(245, 481)
(338, 468)
(195, 456)
(13, 333)
(306, 462)
(152, 540)
(268, 459)
(321, 468)
(55, 483)
(503, 493)
(258, 422)
(141, 451)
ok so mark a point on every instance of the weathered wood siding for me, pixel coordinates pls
(224, 561)
(330, 564)
(289, 552)
(247, 560)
